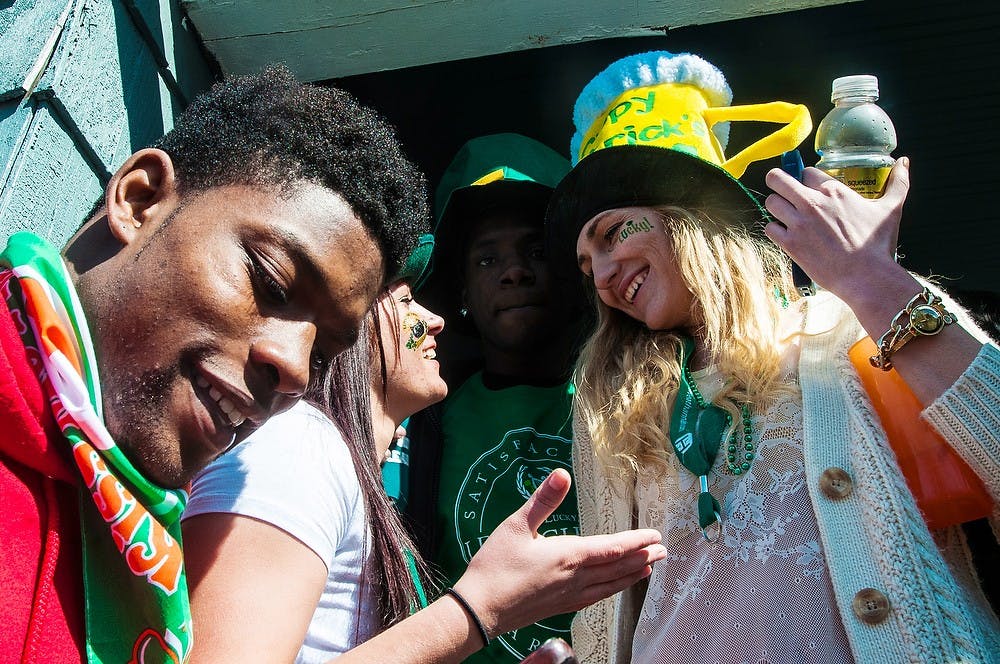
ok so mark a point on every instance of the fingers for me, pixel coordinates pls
(782, 210)
(898, 184)
(603, 579)
(625, 566)
(782, 183)
(813, 177)
(602, 549)
(545, 500)
(786, 217)
(790, 197)
(777, 232)
(796, 193)
(599, 591)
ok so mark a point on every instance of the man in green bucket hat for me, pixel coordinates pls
(507, 426)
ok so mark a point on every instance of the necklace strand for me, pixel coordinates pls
(740, 454)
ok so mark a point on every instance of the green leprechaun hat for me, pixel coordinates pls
(652, 129)
(497, 173)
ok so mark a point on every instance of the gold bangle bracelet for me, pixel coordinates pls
(923, 316)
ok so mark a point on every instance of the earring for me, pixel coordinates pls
(463, 312)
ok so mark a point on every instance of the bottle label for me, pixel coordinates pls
(867, 181)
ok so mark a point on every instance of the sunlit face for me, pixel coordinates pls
(218, 314)
(627, 252)
(408, 336)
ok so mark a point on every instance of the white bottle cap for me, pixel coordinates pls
(862, 85)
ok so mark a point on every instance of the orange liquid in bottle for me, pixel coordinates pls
(945, 488)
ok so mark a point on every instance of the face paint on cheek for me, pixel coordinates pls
(633, 226)
(415, 331)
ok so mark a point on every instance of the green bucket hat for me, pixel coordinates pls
(493, 173)
(413, 271)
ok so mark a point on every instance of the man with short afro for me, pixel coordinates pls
(224, 268)
(271, 129)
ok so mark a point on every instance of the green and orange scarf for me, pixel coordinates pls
(136, 598)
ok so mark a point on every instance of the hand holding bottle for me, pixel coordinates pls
(845, 242)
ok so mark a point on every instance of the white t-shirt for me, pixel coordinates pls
(296, 473)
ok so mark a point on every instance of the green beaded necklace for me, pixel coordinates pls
(739, 456)
(743, 465)
(696, 432)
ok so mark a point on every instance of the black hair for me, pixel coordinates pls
(270, 129)
(344, 394)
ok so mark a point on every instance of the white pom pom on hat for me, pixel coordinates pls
(645, 69)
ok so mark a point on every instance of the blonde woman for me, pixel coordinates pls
(717, 407)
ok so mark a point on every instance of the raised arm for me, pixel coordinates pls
(846, 243)
(518, 577)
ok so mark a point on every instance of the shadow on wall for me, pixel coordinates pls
(161, 78)
(141, 86)
(89, 107)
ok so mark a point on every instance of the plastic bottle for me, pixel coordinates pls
(856, 137)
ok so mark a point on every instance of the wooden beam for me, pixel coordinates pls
(336, 38)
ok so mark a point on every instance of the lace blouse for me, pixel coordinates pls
(760, 593)
(875, 538)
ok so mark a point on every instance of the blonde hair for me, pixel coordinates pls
(627, 375)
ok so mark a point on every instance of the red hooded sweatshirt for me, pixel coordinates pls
(41, 570)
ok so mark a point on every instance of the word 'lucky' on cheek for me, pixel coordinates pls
(415, 331)
(633, 226)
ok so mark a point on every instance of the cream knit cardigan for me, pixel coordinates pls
(875, 537)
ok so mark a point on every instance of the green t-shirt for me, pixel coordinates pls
(498, 447)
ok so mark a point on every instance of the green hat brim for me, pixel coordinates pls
(415, 268)
(642, 176)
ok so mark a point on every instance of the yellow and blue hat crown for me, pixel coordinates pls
(679, 102)
(622, 106)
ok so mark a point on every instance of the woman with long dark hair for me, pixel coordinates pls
(287, 499)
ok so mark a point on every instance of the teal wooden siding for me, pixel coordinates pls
(337, 38)
(83, 84)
